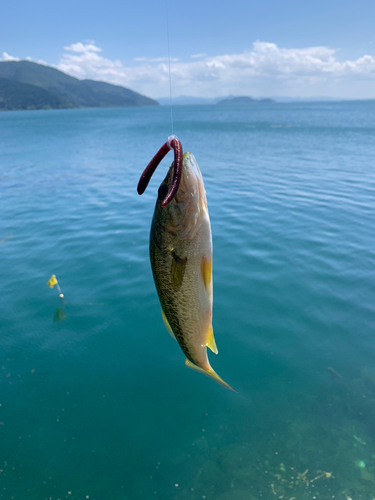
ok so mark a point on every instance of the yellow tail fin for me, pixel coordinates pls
(210, 373)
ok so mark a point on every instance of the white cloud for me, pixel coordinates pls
(156, 59)
(86, 63)
(39, 61)
(83, 48)
(7, 57)
(264, 70)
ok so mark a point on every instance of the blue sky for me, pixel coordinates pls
(296, 48)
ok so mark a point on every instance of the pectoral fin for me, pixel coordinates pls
(167, 325)
(177, 271)
(210, 373)
(206, 272)
(211, 341)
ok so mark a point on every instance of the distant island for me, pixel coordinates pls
(185, 100)
(243, 101)
(28, 85)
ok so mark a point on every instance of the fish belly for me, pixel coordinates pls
(184, 296)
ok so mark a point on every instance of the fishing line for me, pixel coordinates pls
(169, 66)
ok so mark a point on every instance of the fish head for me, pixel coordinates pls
(183, 213)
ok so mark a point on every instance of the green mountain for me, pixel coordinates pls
(17, 95)
(70, 90)
(114, 95)
(243, 101)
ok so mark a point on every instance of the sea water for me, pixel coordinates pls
(95, 400)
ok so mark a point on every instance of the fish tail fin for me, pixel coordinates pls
(210, 373)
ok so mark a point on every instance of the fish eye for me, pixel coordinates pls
(163, 190)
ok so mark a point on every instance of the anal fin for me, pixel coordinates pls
(211, 341)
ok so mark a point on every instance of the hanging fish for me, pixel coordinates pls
(181, 256)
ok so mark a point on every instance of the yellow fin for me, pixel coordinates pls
(206, 271)
(210, 373)
(52, 281)
(177, 271)
(211, 341)
(167, 325)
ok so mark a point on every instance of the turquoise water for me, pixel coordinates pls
(95, 399)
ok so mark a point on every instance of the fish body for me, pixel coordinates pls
(181, 261)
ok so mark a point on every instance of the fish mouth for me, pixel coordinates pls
(174, 143)
(182, 216)
(191, 182)
(184, 178)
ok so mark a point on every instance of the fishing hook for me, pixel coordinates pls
(174, 143)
